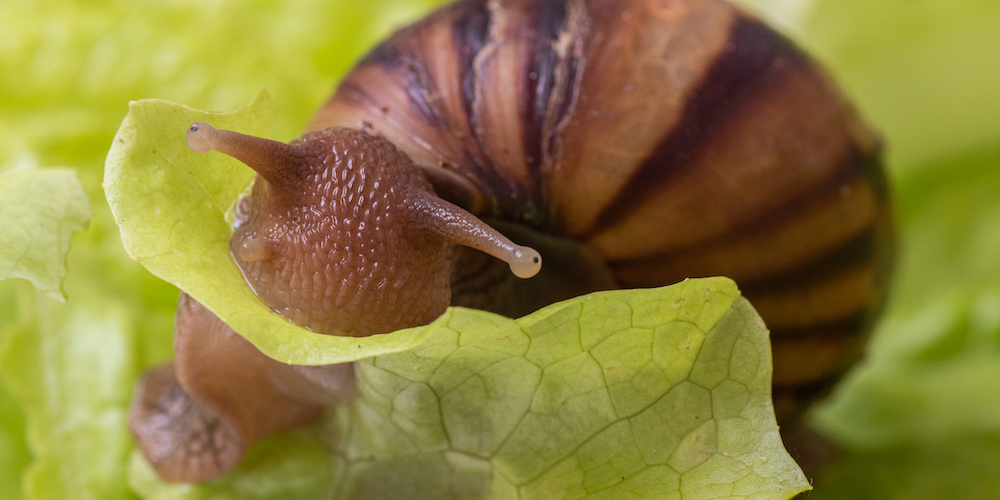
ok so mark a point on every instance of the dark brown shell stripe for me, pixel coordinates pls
(753, 62)
(469, 67)
(678, 138)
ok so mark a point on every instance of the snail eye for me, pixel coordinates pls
(201, 137)
(525, 262)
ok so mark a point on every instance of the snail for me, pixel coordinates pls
(627, 143)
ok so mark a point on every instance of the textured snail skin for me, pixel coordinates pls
(332, 248)
(634, 143)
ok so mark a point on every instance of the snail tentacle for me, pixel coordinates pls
(275, 161)
(455, 225)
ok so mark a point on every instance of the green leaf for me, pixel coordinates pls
(661, 393)
(964, 468)
(170, 203)
(923, 72)
(67, 69)
(14, 454)
(39, 210)
(71, 370)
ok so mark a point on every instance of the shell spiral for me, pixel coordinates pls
(673, 138)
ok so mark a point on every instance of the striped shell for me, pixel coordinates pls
(675, 138)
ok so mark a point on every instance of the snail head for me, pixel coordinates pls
(343, 234)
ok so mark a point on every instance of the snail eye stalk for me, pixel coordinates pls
(273, 160)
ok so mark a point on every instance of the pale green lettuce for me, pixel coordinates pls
(75, 414)
(924, 73)
(939, 352)
(39, 210)
(618, 395)
(14, 454)
(921, 417)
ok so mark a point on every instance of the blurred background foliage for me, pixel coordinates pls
(920, 418)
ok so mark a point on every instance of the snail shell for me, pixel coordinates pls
(673, 138)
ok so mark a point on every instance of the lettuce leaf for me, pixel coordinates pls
(39, 210)
(71, 370)
(14, 454)
(962, 468)
(660, 393)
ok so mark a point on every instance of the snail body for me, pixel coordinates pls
(633, 143)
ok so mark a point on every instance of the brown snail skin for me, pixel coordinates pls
(633, 143)
(195, 418)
